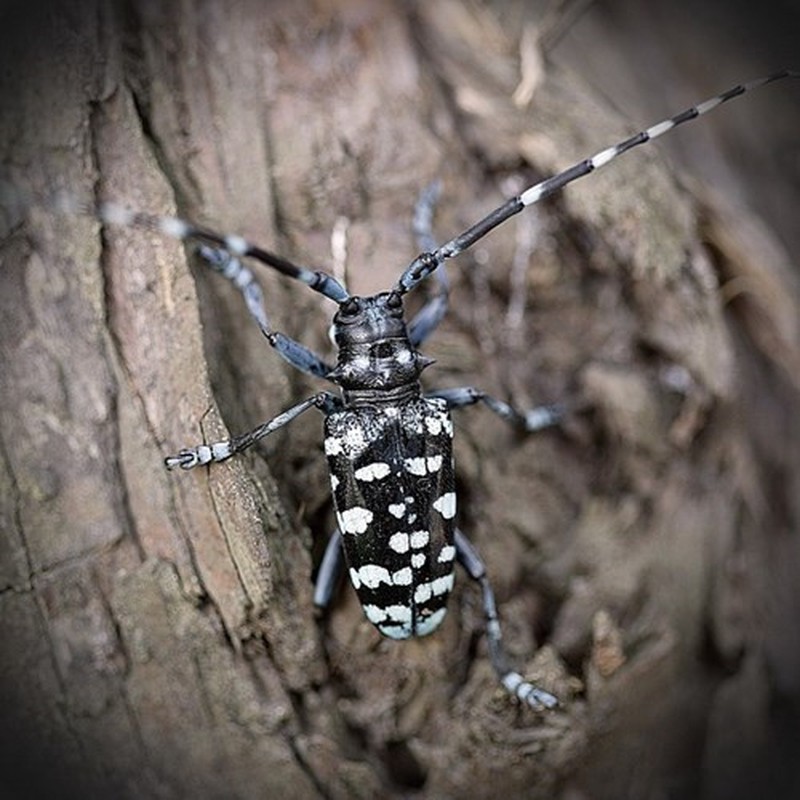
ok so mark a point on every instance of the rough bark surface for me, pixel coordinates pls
(158, 634)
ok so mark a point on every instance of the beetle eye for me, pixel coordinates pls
(394, 300)
(350, 307)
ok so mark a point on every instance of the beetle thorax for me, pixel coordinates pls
(377, 360)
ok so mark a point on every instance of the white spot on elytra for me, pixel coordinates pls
(355, 520)
(396, 631)
(333, 446)
(434, 425)
(419, 539)
(334, 482)
(446, 505)
(373, 472)
(433, 588)
(354, 438)
(395, 620)
(397, 509)
(417, 560)
(416, 466)
(372, 575)
(431, 623)
(420, 465)
(422, 593)
(447, 553)
(354, 578)
(399, 613)
(375, 614)
(399, 542)
(402, 577)
(443, 584)
(434, 463)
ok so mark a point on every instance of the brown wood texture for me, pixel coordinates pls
(158, 636)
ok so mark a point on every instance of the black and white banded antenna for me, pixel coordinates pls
(430, 260)
(427, 262)
(237, 246)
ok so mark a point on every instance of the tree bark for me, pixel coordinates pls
(159, 636)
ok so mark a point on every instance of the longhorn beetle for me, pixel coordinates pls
(388, 445)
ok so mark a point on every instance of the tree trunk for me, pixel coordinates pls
(159, 635)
